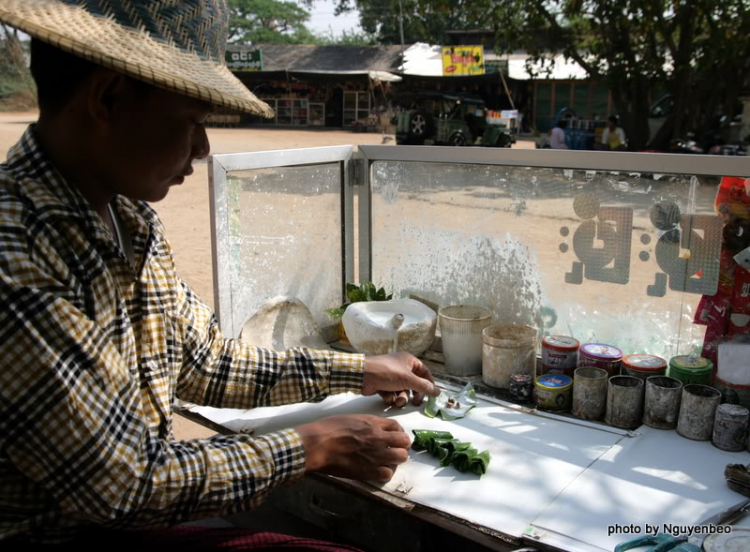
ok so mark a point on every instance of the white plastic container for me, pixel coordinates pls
(507, 349)
(461, 330)
(732, 370)
(368, 328)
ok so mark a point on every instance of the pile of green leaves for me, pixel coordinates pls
(450, 451)
(357, 293)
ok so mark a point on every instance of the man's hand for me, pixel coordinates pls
(356, 446)
(392, 374)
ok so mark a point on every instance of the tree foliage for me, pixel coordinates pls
(696, 50)
(17, 89)
(423, 20)
(269, 22)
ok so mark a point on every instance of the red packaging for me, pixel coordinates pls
(559, 355)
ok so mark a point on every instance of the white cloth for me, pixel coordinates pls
(613, 139)
(557, 139)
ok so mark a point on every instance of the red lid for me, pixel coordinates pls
(561, 343)
(601, 351)
(644, 363)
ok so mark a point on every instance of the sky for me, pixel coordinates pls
(322, 19)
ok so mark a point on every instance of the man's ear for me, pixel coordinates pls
(106, 93)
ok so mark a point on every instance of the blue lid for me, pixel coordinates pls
(555, 380)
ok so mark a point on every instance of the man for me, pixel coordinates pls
(613, 137)
(100, 334)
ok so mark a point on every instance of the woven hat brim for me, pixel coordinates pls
(132, 52)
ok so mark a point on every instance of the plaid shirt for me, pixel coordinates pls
(94, 351)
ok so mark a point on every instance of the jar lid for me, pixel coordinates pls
(645, 363)
(690, 362)
(561, 343)
(601, 351)
(521, 378)
(554, 381)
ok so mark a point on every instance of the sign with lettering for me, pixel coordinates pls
(463, 60)
(687, 251)
(244, 60)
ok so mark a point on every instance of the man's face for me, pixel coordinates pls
(152, 142)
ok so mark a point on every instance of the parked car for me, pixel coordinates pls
(437, 118)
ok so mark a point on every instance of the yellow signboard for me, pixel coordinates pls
(463, 60)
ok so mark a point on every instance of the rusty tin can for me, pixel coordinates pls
(559, 354)
(601, 355)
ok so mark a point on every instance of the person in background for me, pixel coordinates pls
(613, 137)
(100, 335)
(557, 136)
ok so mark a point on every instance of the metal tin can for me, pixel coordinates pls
(643, 366)
(691, 369)
(553, 392)
(600, 355)
(559, 355)
(521, 387)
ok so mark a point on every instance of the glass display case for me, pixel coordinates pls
(612, 247)
(356, 107)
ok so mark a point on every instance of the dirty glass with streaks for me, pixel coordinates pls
(602, 256)
(284, 229)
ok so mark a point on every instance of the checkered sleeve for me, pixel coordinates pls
(228, 373)
(72, 418)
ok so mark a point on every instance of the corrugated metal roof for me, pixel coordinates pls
(335, 59)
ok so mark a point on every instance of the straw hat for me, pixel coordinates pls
(174, 44)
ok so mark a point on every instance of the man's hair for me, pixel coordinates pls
(59, 74)
(562, 123)
(613, 118)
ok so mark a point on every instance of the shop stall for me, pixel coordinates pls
(609, 248)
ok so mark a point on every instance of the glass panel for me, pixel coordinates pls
(284, 112)
(350, 100)
(350, 116)
(317, 114)
(617, 258)
(284, 228)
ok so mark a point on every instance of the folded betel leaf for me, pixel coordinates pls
(450, 451)
(451, 406)
(424, 438)
(471, 461)
(452, 447)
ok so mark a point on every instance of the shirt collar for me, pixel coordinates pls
(54, 198)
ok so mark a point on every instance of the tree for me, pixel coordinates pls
(697, 50)
(269, 22)
(422, 20)
(17, 90)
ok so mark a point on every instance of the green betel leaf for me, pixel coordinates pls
(424, 438)
(356, 296)
(351, 287)
(451, 451)
(431, 408)
(368, 288)
(336, 313)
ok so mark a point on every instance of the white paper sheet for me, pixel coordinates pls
(533, 458)
(656, 478)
